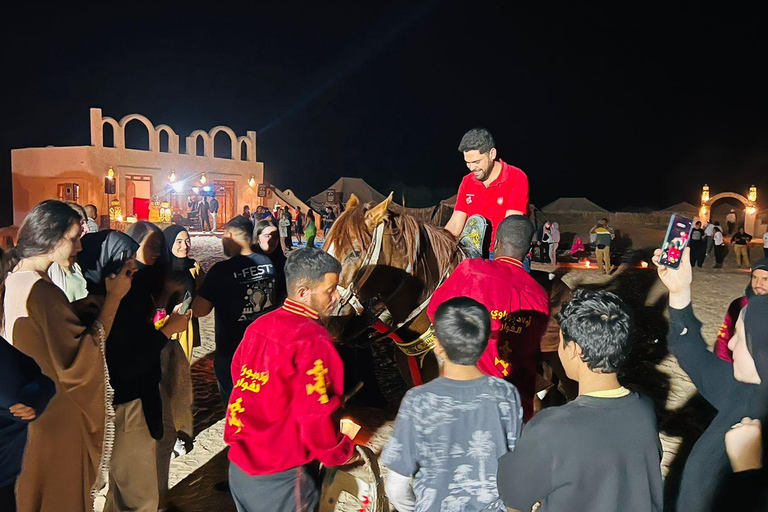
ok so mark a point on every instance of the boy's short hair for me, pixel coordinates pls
(463, 327)
(600, 323)
(90, 211)
(240, 227)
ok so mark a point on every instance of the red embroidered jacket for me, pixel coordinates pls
(288, 380)
(519, 309)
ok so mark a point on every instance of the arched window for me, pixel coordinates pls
(165, 141)
(136, 135)
(109, 135)
(222, 145)
(243, 151)
(199, 146)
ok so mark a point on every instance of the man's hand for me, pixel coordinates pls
(456, 223)
(23, 412)
(744, 445)
(678, 281)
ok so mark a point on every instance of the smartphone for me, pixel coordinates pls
(678, 235)
(186, 303)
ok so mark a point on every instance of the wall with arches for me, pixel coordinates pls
(38, 172)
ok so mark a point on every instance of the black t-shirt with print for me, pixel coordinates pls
(241, 289)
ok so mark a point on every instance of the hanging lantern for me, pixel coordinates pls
(705, 194)
(172, 176)
(203, 179)
(110, 173)
(115, 210)
(751, 210)
(252, 181)
(752, 194)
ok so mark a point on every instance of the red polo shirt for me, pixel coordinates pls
(508, 192)
(288, 380)
(519, 309)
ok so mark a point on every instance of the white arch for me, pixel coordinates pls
(118, 139)
(173, 138)
(151, 133)
(232, 141)
(192, 143)
(250, 150)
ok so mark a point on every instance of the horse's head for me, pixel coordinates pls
(387, 258)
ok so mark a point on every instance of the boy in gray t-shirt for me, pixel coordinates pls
(450, 432)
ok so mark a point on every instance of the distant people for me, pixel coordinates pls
(247, 212)
(730, 221)
(554, 242)
(544, 242)
(92, 215)
(63, 465)
(758, 285)
(24, 395)
(328, 219)
(205, 209)
(311, 230)
(740, 243)
(479, 418)
(214, 213)
(603, 237)
(600, 452)
(241, 289)
(289, 382)
(519, 307)
(698, 245)
(493, 189)
(709, 233)
(190, 274)
(578, 250)
(718, 242)
(736, 391)
(285, 230)
(299, 224)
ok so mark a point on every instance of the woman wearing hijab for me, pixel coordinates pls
(176, 380)
(191, 274)
(736, 391)
(68, 447)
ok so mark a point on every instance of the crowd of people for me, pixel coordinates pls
(99, 329)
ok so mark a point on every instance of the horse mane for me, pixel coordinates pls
(418, 238)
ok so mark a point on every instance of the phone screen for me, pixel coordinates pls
(678, 235)
(185, 303)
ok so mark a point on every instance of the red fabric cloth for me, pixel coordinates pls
(508, 192)
(141, 208)
(519, 309)
(728, 329)
(288, 380)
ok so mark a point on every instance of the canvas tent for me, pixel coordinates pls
(573, 204)
(344, 188)
(683, 208)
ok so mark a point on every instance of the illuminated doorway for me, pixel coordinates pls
(138, 193)
(225, 195)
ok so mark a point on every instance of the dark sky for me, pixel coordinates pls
(626, 107)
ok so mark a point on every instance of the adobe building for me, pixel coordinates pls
(142, 182)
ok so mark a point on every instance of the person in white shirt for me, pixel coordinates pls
(709, 232)
(720, 247)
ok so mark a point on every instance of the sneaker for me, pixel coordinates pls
(473, 236)
(179, 449)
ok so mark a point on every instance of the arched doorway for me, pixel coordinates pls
(750, 207)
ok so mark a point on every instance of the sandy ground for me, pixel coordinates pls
(194, 475)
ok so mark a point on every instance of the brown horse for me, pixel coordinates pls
(391, 265)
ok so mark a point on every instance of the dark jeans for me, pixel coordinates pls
(765, 252)
(720, 251)
(292, 490)
(698, 252)
(8, 497)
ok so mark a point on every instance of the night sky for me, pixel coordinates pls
(626, 107)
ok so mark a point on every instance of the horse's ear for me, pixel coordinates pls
(353, 201)
(378, 213)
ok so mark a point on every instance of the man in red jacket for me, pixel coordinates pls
(288, 381)
(519, 307)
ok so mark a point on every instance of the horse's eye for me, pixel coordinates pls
(353, 255)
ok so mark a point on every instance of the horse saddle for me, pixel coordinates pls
(475, 238)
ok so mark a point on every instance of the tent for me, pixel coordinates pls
(682, 208)
(344, 189)
(573, 204)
